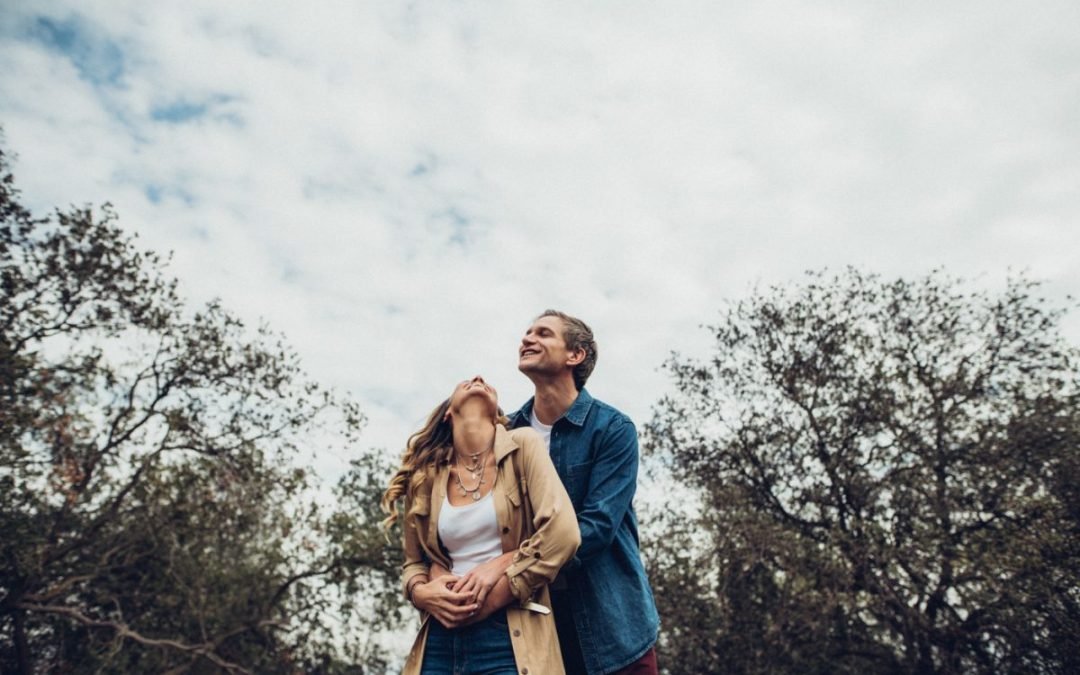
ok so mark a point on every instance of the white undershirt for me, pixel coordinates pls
(470, 533)
(543, 429)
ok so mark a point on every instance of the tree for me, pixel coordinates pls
(154, 512)
(887, 480)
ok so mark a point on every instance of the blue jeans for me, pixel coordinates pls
(480, 649)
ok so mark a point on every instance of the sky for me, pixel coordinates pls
(400, 187)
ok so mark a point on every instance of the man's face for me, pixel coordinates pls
(543, 349)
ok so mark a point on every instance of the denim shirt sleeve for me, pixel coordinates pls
(610, 492)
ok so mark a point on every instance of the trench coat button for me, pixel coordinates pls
(506, 530)
(524, 671)
(537, 555)
(517, 633)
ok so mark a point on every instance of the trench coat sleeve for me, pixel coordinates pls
(416, 561)
(555, 530)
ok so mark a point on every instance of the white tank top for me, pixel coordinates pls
(470, 533)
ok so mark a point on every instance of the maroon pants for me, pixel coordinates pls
(646, 665)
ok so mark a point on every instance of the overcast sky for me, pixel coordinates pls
(400, 187)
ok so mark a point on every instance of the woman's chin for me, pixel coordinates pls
(479, 402)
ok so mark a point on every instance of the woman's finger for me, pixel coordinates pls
(470, 588)
(462, 582)
(456, 609)
(453, 598)
(447, 622)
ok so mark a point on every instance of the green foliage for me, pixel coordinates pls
(154, 515)
(887, 472)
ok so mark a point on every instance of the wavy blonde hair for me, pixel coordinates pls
(426, 450)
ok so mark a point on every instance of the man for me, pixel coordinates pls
(604, 610)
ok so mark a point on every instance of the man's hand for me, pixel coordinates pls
(436, 597)
(479, 581)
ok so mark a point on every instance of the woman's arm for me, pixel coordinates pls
(449, 608)
(479, 581)
(438, 598)
(427, 584)
(499, 597)
(556, 536)
(416, 567)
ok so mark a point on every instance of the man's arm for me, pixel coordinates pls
(610, 492)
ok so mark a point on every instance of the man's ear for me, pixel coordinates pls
(576, 357)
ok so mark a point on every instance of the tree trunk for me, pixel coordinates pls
(22, 649)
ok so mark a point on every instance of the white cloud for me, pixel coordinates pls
(401, 187)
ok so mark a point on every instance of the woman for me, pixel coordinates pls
(487, 525)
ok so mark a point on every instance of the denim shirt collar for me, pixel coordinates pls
(575, 414)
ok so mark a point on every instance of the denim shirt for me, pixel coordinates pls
(595, 451)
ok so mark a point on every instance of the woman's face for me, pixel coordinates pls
(474, 389)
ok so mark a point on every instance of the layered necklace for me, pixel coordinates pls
(475, 467)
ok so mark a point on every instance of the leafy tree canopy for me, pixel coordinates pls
(154, 512)
(887, 473)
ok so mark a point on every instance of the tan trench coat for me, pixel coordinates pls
(555, 538)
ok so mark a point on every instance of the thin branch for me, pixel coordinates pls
(123, 631)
